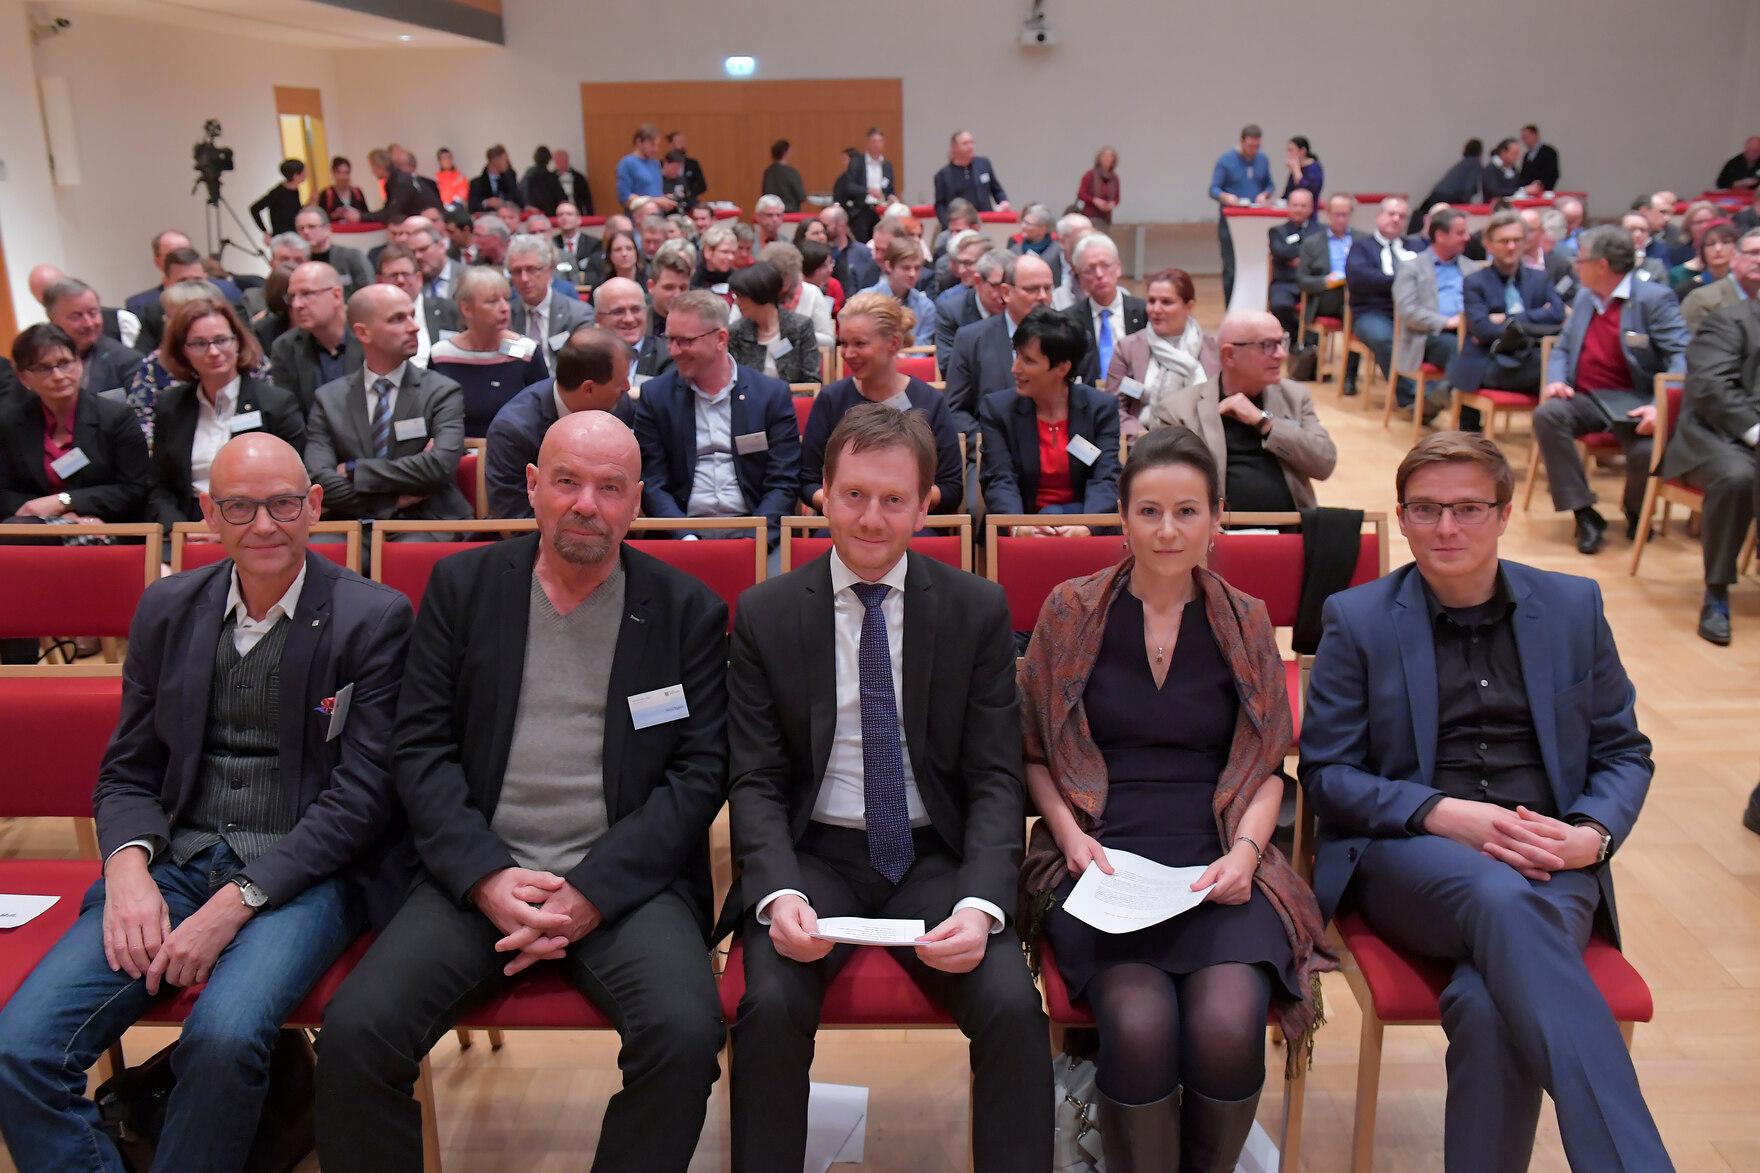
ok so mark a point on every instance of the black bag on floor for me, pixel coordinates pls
(1304, 364)
(131, 1108)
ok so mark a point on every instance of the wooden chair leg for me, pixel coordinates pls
(495, 1039)
(465, 1039)
(1368, 1087)
(1645, 514)
(1420, 396)
(111, 649)
(430, 1123)
(1392, 396)
(1294, 1099)
(1533, 477)
(1745, 559)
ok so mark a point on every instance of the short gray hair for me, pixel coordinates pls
(716, 235)
(769, 203)
(491, 226)
(1608, 243)
(63, 288)
(787, 259)
(675, 256)
(528, 242)
(997, 262)
(1071, 221)
(475, 279)
(314, 209)
(1553, 224)
(292, 240)
(184, 292)
(962, 238)
(1038, 214)
(1092, 241)
(704, 306)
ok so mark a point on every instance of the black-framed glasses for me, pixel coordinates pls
(243, 510)
(1465, 512)
(682, 340)
(1267, 346)
(200, 345)
(70, 364)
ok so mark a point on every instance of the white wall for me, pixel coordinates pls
(140, 94)
(28, 224)
(1631, 105)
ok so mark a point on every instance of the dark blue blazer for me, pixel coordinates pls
(1371, 290)
(515, 435)
(1010, 471)
(829, 406)
(982, 362)
(1368, 746)
(976, 183)
(955, 308)
(666, 428)
(1483, 296)
(346, 630)
(1286, 249)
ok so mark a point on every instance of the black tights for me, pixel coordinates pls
(1205, 1030)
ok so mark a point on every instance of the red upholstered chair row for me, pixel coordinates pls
(188, 555)
(871, 990)
(800, 545)
(75, 590)
(919, 366)
(1670, 390)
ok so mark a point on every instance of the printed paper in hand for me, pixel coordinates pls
(1139, 893)
(21, 910)
(857, 930)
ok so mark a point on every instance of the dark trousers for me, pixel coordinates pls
(1558, 423)
(1521, 1011)
(649, 973)
(1727, 480)
(1284, 300)
(1226, 239)
(996, 1005)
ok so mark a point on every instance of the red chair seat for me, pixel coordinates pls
(1599, 442)
(1330, 323)
(1292, 675)
(23, 947)
(1407, 988)
(540, 1000)
(61, 770)
(871, 990)
(1030, 568)
(1683, 487)
(407, 566)
(803, 408)
(1430, 368)
(69, 590)
(1505, 398)
(726, 565)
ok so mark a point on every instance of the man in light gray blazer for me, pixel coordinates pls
(385, 440)
(1429, 297)
(539, 312)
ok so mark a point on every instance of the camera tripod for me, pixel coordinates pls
(218, 241)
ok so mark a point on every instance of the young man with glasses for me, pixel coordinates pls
(1471, 750)
(242, 827)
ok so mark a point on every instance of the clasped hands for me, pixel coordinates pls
(956, 945)
(540, 913)
(1533, 844)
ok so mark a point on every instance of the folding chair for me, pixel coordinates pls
(1028, 568)
(726, 565)
(473, 468)
(57, 590)
(1366, 368)
(1492, 403)
(1329, 332)
(1669, 392)
(1421, 379)
(188, 555)
(953, 547)
(406, 566)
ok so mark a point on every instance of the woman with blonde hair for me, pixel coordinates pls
(873, 328)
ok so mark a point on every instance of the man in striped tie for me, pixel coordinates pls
(851, 800)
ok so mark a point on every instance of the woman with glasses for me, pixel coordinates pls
(67, 454)
(491, 362)
(1174, 353)
(219, 395)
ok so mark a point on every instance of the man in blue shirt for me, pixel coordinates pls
(638, 173)
(1242, 177)
(1428, 296)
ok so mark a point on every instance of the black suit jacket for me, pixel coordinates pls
(293, 363)
(174, 435)
(1136, 317)
(663, 785)
(484, 185)
(538, 185)
(583, 195)
(346, 630)
(1010, 469)
(1540, 164)
(405, 196)
(960, 711)
(440, 313)
(113, 486)
(851, 190)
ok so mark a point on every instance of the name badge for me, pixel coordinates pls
(885, 182)
(557, 339)
(520, 348)
(445, 335)
(1293, 238)
(635, 385)
(246, 421)
(1637, 340)
(69, 464)
(751, 442)
(1130, 388)
(719, 289)
(658, 707)
(984, 178)
(1083, 449)
(410, 429)
(116, 394)
(781, 347)
(339, 715)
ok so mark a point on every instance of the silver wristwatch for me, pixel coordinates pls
(1606, 847)
(66, 500)
(249, 894)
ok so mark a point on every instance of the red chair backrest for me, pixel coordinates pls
(1676, 391)
(803, 407)
(69, 590)
(919, 366)
(726, 565)
(405, 566)
(941, 547)
(1028, 569)
(52, 775)
(199, 554)
(1269, 567)
(467, 478)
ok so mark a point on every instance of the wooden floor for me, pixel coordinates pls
(1689, 884)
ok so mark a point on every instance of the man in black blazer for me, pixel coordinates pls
(73, 305)
(247, 828)
(561, 753)
(717, 439)
(571, 187)
(1539, 163)
(320, 348)
(1107, 313)
(1502, 177)
(967, 176)
(867, 186)
(384, 460)
(1287, 243)
(496, 181)
(906, 807)
(406, 193)
(578, 251)
(592, 374)
(983, 353)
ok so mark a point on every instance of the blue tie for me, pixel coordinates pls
(889, 822)
(1105, 341)
(382, 419)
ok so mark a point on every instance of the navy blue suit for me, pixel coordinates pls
(515, 435)
(830, 405)
(1011, 452)
(666, 428)
(1482, 295)
(1371, 290)
(982, 362)
(1521, 1012)
(955, 308)
(975, 182)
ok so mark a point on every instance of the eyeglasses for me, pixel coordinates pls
(307, 294)
(68, 366)
(201, 345)
(1268, 346)
(243, 510)
(1465, 512)
(680, 341)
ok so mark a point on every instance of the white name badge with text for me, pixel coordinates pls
(781, 347)
(520, 348)
(246, 421)
(1130, 388)
(69, 463)
(410, 429)
(658, 707)
(751, 442)
(1084, 449)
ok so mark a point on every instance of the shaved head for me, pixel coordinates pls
(42, 277)
(586, 488)
(257, 455)
(1244, 325)
(596, 436)
(372, 301)
(260, 468)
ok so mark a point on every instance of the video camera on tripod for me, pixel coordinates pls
(211, 160)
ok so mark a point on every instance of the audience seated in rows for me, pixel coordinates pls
(765, 337)
(1170, 355)
(983, 352)
(119, 324)
(1711, 264)
(624, 311)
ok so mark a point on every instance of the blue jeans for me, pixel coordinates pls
(72, 1008)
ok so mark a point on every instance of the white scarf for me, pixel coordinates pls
(1173, 364)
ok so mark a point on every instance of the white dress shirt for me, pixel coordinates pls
(423, 343)
(213, 429)
(715, 490)
(371, 377)
(843, 800)
(876, 173)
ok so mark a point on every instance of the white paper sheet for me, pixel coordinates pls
(837, 1125)
(1139, 893)
(21, 910)
(858, 930)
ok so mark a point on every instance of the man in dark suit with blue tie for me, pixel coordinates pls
(1106, 313)
(243, 810)
(717, 439)
(1505, 300)
(874, 734)
(1471, 751)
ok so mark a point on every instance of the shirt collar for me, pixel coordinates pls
(1740, 292)
(226, 399)
(1621, 292)
(842, 577)
(561, 407)
(1498, 607)
(395, 374)
(1117, 302)
(288, 604)
(1382, 240)
(719, 393)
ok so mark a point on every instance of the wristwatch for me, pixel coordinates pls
(249, 894)
(66, 500)
(1606, 847)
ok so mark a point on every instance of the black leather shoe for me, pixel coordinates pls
(1751, 816)
(1714, 622)
(1349, 388)
(1591, 533)
(1632, 527)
